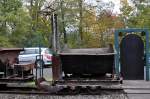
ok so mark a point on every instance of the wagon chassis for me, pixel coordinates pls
(86, 83)
(15, 79)
(88, 86)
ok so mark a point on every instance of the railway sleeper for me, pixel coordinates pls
(93, 90)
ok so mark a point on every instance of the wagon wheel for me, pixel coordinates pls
(63, 91)
(38, 83)
(93, 91)
(74, 91)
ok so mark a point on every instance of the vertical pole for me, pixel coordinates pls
(40, 57)
(63, 20)
(36, 73)
(53, 33)
(56, 32)
(116, 53)
(147, 55)
(42, 64)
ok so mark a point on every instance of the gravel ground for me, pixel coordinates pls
(108, 96)
(47, 73)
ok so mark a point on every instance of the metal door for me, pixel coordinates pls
(132, 57)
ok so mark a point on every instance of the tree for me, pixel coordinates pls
(127, 11)
(12, 15)
(40, 26)
(140, 16)
(86, 24)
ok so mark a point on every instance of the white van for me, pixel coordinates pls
(32, 55)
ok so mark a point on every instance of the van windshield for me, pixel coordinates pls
(47, 51)
(29, 51)
(35, 51)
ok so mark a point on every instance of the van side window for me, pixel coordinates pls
(47, 51)
(36, 51)
(30, 51)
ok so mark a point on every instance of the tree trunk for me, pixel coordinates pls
(63, 23)
(81, 19)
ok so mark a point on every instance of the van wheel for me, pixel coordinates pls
(39, 63)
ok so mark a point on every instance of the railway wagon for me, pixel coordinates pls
(90, 68)
(10, 68)
(85, 68)
(87, 62)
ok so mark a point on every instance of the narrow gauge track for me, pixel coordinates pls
(22, 90)
(64, 91)
(68, 91)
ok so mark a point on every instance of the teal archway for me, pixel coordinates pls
(117, 48)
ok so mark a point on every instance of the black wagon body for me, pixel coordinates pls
(87, 61)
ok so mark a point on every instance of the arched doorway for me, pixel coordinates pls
(132, 57)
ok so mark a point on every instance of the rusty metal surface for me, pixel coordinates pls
(85, 83)
(56, 68)
(26, 66)
(8, 63)
(89, 51)
(9, 55)
(11, 79)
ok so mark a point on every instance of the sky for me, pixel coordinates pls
(117, 5)
(116, 2)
